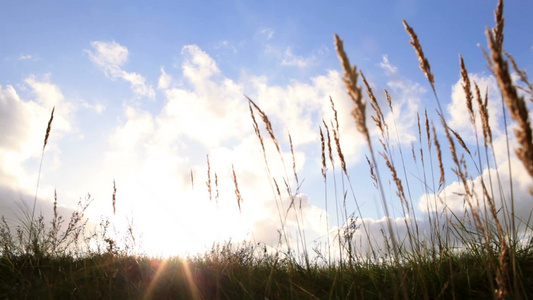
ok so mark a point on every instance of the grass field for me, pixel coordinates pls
(485, 253)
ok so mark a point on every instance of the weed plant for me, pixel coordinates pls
(485, 253)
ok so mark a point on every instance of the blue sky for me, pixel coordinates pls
(145, 90)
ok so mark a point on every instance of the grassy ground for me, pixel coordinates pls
(485, 253)
(242, 274)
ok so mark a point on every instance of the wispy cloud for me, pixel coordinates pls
(290, 59)
(26, 57)
(110, 57)
(227, 45)
(267, 33)
(98, 107)
(387, 66)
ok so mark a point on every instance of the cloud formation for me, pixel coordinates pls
(110, 57)
(23, 124)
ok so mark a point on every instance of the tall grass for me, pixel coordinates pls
(486, 251)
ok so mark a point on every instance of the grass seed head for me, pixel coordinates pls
(515, 103)
(114, 197)
(323, 153)
(468, 90)
(484, 115)
(48, 128)
(354, 91)
(237, 191)
(424, 63)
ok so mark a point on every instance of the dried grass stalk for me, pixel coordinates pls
(389, 99)
(372, 173)
(268, 125)
(323, 153)
(192, 180)
(256, 128)
(378, 118)
(424, 63)
(217, 195)
(335, 115)
(399, 186)
(208, 181)
(336, 136)
(48, 128)
(354, 91)
(428, 135)
(339, 150)
(114, 197)
(484, 114)
(498, 29)
(330, 151)
(237, 191)
(515, 104)
(442, 179)
(460, 140)
(468, 91)
(522, 75)
(293, 160)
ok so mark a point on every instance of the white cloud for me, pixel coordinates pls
(98, 107)
(226, 45)
(108, 54)
(164, 79)
(290, 59)
(267, 33)
(198, 65)
(151, 155)
(23, 124)
(25, 57)
(406, 97)
(387, 66)
(497, 178)
(459, 118)
(110, 57)
(452, 197)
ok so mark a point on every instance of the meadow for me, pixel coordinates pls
(485, 252)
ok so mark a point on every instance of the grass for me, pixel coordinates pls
(487, 252)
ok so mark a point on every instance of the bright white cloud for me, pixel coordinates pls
(23, 124)
(108, 54)
(213, 111)
(497, 178)
(406, 97)
(164, 79)
(458, 112)
(110, 57)
(152, 155)
(451, 197)
(198, 65)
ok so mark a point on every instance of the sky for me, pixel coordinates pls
(144, 91)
